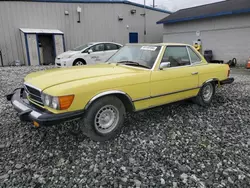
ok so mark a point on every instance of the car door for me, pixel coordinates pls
(177, 81)
(110, 49)
(204, 72)
(96, 53)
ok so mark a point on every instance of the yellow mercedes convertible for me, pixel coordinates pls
(137, 77)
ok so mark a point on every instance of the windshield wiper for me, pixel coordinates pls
(133, 63)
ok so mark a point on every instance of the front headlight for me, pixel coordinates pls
(47, 100)
(55, 103)
(58, 103)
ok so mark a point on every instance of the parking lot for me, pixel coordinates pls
(178, 145)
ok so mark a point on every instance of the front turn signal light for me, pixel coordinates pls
(65, 101)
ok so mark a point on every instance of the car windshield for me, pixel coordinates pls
(79, 48)
(136, 55)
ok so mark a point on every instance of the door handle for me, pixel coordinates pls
(194, 73)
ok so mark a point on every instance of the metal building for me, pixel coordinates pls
(222, 27)
(35, 31)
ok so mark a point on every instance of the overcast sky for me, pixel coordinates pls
(174, 5)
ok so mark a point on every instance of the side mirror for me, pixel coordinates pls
(164, 65)
(90, 51)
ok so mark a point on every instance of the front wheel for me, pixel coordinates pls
(103, 119)
(79, 62)
(206, 94)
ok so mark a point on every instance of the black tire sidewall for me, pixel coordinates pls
(200, 99)
(74, 63)
(88, 126)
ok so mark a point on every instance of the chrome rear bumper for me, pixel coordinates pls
(227, 81)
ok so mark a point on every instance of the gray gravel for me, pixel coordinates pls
(178, 145)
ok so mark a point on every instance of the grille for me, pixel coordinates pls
(34, 94)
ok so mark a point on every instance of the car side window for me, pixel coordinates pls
(86, 50)
(97, 48)
(176, 55)
(193, 56)
(110, 46)
(118, 46)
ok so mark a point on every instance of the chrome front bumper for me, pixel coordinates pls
(30, 112)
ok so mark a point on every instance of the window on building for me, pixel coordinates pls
(176, 55)
(193, 56)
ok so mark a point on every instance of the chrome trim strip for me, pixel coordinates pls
(189, 56)
(165, 94)
(35, 114)
(24, 108)
(20, 106)
(135, 67)
(176, 67)
(108, 93)
(162, 104)
(211, 80)
(191, 65)
(141, 99)
(171, 93)
(196, 63)
(25, 83)
(158, 58)
(27, 91)
(32, 100)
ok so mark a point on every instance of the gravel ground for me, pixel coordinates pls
(178, 145)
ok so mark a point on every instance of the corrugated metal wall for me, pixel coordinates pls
(99, 22)
(227, 36)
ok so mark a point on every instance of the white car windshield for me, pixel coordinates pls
(136, 55)
(82, 47)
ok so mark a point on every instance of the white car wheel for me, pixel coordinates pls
(79, 62)
(206, 94)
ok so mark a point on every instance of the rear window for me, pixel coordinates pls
(193, 56)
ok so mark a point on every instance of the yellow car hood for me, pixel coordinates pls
(48, 78)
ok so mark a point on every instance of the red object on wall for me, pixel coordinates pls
(248, 64)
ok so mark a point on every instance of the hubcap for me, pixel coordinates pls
(207, 92)
(78, 63)
(106, 119)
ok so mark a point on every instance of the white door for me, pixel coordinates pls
(59, 46)
(33, 57)
(97, 53)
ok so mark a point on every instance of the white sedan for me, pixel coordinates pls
(87, 54)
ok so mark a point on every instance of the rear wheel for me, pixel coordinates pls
(103, 119)
(79, 62)
(206, 94)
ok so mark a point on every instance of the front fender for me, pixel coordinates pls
(125, 99)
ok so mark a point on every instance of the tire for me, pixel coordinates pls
(206, 94)
(96, 127)
(234, 62)
(79, 62)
